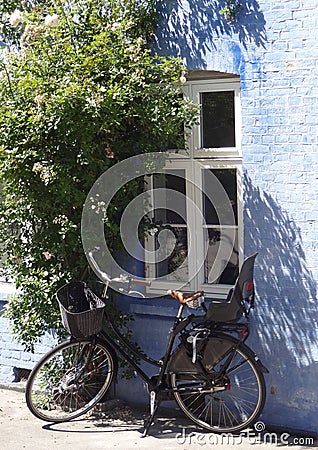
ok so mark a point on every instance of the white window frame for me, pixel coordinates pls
(192, 91)
(162, 286)
(221, 290)
(210, 158)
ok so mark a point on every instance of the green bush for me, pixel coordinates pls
(80, 90)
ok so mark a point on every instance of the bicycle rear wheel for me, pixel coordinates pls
(222, 403)
(69, 380)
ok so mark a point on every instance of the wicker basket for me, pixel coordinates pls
(81, 310)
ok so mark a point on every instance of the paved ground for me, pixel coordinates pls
(120, 427)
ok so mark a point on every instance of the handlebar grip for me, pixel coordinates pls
(141, 282)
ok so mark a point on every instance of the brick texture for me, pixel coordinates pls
(273, 47)
(13, 355)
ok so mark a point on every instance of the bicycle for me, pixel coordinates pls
(215, 378)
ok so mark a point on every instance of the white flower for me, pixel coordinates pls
(37, 167)
(141, 41)
(183, 78)
(51, 20)
(45, 173)
(31, 33)
(62, 220)
(115, 26)
(153, 231)
(38, 100)
(131, 49)
(47, 255)
(15, 18)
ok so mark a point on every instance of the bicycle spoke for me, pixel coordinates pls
(231, 400)
(69, 381)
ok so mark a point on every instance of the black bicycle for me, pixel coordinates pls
(215, 378)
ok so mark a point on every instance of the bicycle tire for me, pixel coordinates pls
(69, 380)
(236, 399)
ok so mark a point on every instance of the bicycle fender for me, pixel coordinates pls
(260, 365)
(181, 359)
(252, 355)
(217, 347)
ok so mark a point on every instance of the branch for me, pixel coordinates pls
(8, 78)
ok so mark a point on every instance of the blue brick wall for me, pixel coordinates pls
(12, 354)
(280, 162)
(273, 48)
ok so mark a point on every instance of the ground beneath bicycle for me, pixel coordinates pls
(115, 425)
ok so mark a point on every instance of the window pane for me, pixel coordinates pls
(227, 177)
(175, 205)
(217, 119)
(214, 264)
(173, 255)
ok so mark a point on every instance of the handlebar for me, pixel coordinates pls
(120, 279)
(102, 275)
(141, 282)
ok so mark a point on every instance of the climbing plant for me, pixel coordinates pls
(80, 90)
(231, 10)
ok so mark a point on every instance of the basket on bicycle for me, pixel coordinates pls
(81, 310)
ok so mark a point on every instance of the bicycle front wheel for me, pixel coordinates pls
(69, 380)
(218, 400)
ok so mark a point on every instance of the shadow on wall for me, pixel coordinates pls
(187, 29)
(286, 332)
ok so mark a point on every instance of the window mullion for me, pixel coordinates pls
(240, 233)
(197, 226)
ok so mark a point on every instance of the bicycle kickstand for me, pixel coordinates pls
(154, 405)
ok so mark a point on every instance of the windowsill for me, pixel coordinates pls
(217, 153)
(153, 310)
(206, 153)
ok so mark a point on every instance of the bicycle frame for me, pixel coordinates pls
(179, 324)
